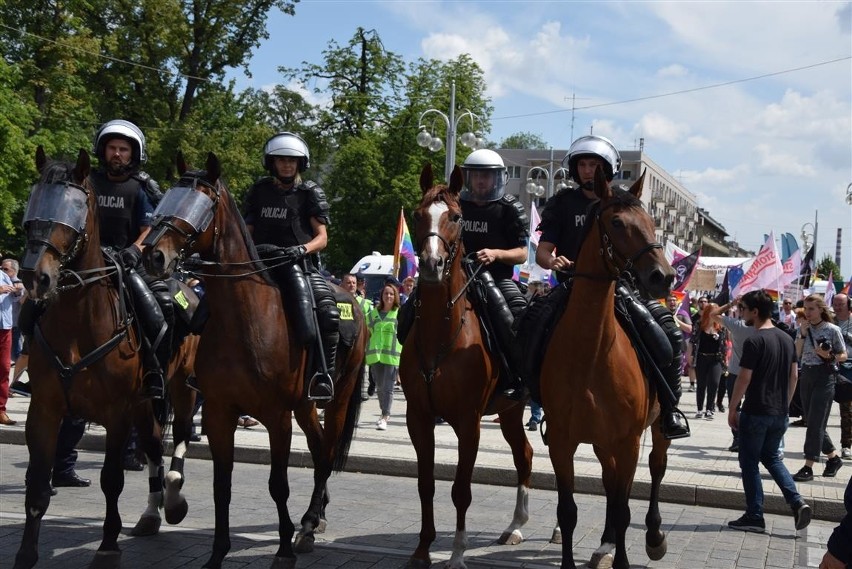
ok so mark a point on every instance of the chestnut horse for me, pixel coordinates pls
(592, 386)
(447, 371)
(85, 360)
(249, 358)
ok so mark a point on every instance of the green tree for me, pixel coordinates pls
(524, 141)
(826, 267)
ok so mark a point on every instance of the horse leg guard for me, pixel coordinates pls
(673, 422)
(328, 321)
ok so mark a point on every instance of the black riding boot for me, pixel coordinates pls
(154, 329)
(501, 316)
(673, 422)
(321, 387)
(165, 349)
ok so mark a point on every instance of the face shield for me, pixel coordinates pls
(187, 204)
(483, 184)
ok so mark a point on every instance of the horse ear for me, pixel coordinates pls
(426, 177)
(602, 188)
(83, 166)
(456, 181)
(636, 188)
(40, 158)
(213, 167)
(180, 163)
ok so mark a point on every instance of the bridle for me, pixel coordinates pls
(43, 228)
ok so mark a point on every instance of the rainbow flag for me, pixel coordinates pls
(404, 256)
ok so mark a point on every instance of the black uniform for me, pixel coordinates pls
(283, 218)
(501, 224)
(562, 222)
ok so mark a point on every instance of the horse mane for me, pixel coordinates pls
(56, 171)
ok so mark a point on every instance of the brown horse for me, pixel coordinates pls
(249, 359)
(84, 358)
(447, 371)
(592, 386)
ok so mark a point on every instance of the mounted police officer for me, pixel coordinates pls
(562, 223)
(291, 216)
(496, 228)
(126, 200)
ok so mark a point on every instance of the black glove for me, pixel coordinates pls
(130, 257)
(292, 254)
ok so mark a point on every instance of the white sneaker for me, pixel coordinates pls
(846, 452)
(381, 425)
(699, 415)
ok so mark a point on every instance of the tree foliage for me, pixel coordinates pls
(524, 141)
(826, 267)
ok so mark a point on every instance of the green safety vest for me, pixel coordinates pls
(384, 347)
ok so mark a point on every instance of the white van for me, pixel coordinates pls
(376, 269)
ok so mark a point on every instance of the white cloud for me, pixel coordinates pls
(771, 161)
(673, 70)
(656, 127)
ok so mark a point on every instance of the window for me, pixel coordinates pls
(514, 172)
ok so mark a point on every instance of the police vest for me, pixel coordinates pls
(283, 217)
(499, 224)
(562, 221)
(116, 210)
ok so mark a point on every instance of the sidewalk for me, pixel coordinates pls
(700, 471)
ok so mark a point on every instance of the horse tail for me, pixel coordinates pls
(353, 411)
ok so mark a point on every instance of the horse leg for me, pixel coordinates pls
(219, 424)
(183, 401)
(150, 440)
(522, 453)
(108, 554)
(468, 436)
(619, 468)
(655, 540)
(42, 430)
(562, 457)
(316, 436)
(421, 430)
(279, 489)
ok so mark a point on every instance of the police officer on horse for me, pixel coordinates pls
(290, 216)
(562, 230)
(496, 229)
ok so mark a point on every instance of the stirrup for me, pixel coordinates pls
(192, 383)
(153, 385)
(320, 387)
(680, 428)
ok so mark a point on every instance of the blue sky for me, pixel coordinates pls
(760, 155)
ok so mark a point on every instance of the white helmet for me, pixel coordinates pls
(480, 162)
(592, 145)
(121, 129)
(286, 144)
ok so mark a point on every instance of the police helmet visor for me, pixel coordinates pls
(188, 205)
(483, 184)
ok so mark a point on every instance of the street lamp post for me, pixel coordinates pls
(428, 139)
(535, 189)
(807, 238)
(849, 202)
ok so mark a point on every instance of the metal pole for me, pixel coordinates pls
(450, 162)
(550, 177)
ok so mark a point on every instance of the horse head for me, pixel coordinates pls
(58, 221)
(628, 242)
(182, 221)
(437, 225)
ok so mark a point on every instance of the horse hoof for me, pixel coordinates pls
(455, 564)
(26, 560)
(106, 560)
(655, 553)
(283, 563)
(321, 526)
(176, 514)
(416, 563)
(303, 543)
(511, 538)
(556, 538)
(601, 560)
(147, 525)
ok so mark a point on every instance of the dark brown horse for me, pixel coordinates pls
(249, 359)
(447, 371)
(592, 386)
(85, 360)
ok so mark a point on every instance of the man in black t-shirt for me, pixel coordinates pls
(767, 378)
